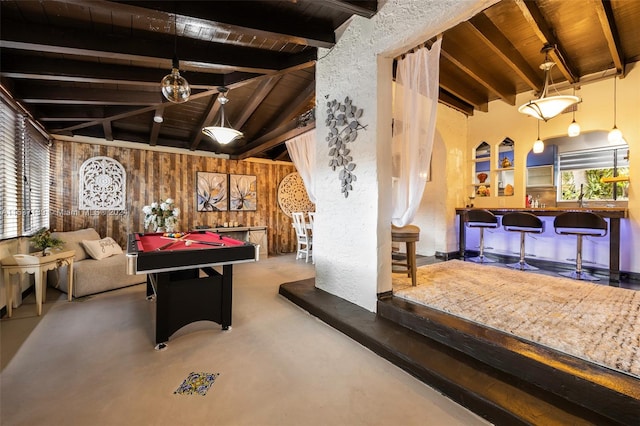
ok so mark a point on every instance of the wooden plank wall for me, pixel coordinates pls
(155, 176)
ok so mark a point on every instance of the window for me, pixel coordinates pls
(24, 167)
(581, 173)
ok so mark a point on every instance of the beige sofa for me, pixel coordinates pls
(91, 276)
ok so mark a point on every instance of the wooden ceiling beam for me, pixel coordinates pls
(558, 54)
(224, 17)
(608, 24)
(277, 137)
(36, 93)
(108, 133)
(155, 127)
(473, 68)
(212, 110)
(157, 51)
(170, 105)
(455, 103)
(366, 9)
(485, 30)
(262, 91)
(296, 106)
(29, 67)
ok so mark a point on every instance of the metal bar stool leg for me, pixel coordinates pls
(579, 274)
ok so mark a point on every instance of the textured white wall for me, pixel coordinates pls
(445, 191)
(352, 241)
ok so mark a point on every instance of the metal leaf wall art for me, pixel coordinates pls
(343, 124)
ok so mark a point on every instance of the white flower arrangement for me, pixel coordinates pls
(163, 215)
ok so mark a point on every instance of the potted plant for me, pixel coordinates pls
(42, 240)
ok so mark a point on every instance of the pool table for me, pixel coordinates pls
(182, 279)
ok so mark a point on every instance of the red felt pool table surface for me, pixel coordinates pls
(155, 241)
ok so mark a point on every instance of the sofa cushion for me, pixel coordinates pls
(73, 241)
(99, 249)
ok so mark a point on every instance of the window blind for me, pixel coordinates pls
(24, 173)
(35, 179)
(8, 172)
(593, 159)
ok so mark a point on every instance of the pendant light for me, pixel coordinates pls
(615, 135)
(547, 107)
(538, 145)
(574, 128)
(221, 133)
(175, 87)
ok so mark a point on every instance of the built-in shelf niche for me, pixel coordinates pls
(481, 172)
(505, 168)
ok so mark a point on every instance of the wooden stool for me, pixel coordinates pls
(407, 234)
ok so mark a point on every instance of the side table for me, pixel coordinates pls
(37, 264)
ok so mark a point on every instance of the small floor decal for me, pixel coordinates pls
(197, 383)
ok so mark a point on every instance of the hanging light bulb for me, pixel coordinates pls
(574, 128)
(538, 145)
(615, 135)
(175, 87)
(222, 134)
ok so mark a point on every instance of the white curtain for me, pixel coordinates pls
(414, 123)
(302, 150)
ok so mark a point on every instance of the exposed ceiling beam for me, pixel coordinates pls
(473, 68)
(366, 9)
(464, 91)
(261, 92)
(192, 97)
(223, 17)
(155, 127)
(60, 94)
(295, 106)
(212, 110)
(608, 24)
(276, 139)
(194, 53)
(455, 103)
(485, 30)
(49, 69)
(108, 133)
(558, 54)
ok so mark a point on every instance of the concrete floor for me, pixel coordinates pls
(92, 361)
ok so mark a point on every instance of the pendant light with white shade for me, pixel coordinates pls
(574, 127)
(546, 107)
(221, 133)
(538, 145)
(615, 135)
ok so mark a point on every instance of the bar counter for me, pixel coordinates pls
(614, 214)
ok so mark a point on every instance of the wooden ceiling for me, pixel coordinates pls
(93, 68)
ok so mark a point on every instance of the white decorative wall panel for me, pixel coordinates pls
(103, 184)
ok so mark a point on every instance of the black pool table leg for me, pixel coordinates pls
(163, 310)
(227, 296)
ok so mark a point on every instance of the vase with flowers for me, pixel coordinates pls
(42, 240)
(161, 217)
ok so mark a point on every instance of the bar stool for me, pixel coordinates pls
(580, 224)
(524, 223)
(408, 234)
(481, 219)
